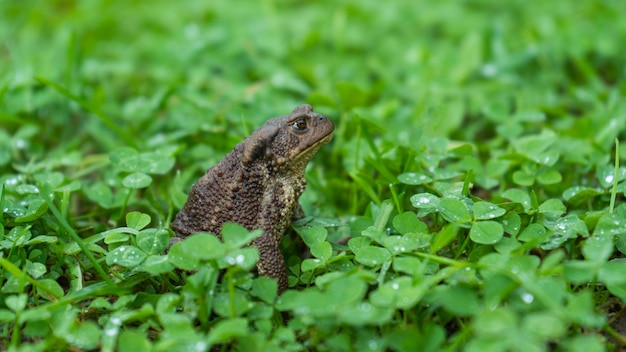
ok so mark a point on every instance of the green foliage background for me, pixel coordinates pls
(472, 198)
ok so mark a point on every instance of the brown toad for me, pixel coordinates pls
(258, 185)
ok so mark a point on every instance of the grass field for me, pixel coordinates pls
(473, 196)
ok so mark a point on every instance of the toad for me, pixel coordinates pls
(257, 185)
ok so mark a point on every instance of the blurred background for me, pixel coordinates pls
(207, 60)
(202, 75)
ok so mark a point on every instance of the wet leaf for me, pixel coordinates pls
(425, 201)
(313, 235)
(235, 235)
(532, 232)
(137, 180)
(372, 256)
(414, 178)
(36, 208)
(459, 300)
(486, 232)
(443, 238)
(153, 241)
(579, 271)
(224, 306)
(579, 194)
(519, 196)
(365, 313)
(408, 222)
(549, 177)
(606, 175)
(227, 330)
(16, 303)
(511, 223)
(85, 336)
(552, 207)
(399, 293)
(128, 256)
(611, 224)
(322, 251)
(612, 275)
(401, 244)
(524, 178)
(157, 264)
(244, 258)
(487, 211)
(137, 220)
(598, 248)
(535, 146)
(265, 288)
(133, 341)
(454, 211)
(195, 249)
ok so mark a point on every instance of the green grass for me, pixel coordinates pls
(472, 197)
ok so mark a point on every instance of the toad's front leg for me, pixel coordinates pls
(271, 263)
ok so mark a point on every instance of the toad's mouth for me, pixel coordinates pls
(313, 146)
(322, 141)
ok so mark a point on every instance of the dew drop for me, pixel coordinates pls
(11, 181)
(528, 298)
(200, 346)
(111, 331)
(365, 307)
(489, 70)
(303, 310)
(372, 344)
(191, 30)
(398, 249)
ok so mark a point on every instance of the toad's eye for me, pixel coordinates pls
(299, 125)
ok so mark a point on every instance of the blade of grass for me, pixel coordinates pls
(383, 215)
(615, 177)
(378, 163)
(47, 191)
(365, 187)
(469, 177)
(2, 207)
(396, 198)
